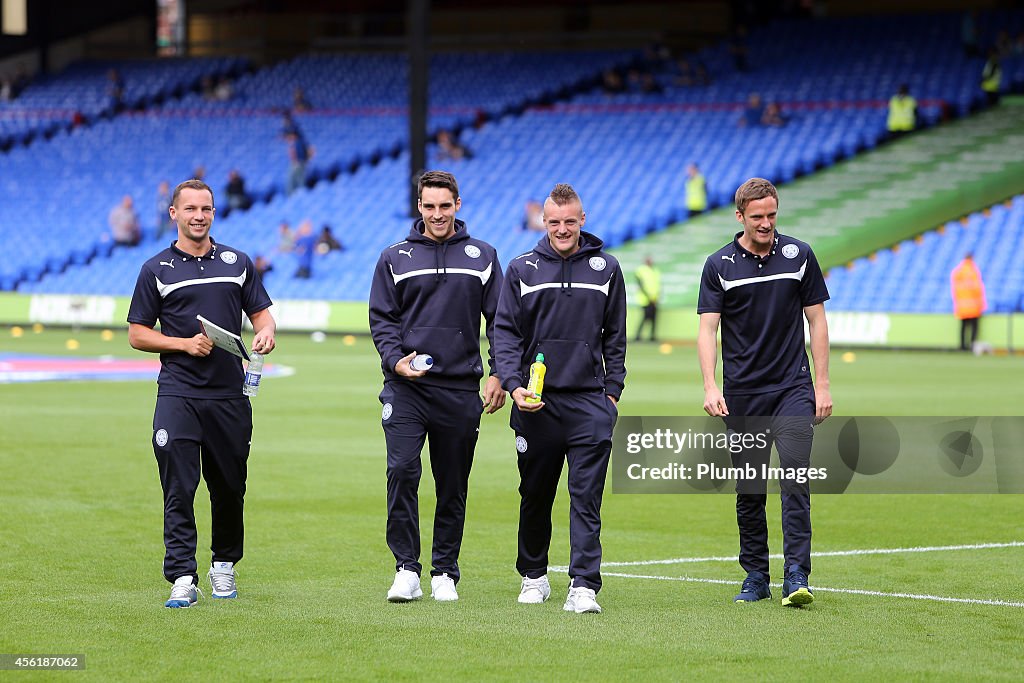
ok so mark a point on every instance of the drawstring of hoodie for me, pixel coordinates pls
(441, 262)
(566, 287)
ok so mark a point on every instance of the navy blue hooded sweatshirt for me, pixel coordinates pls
(572, 310)
(427, 297)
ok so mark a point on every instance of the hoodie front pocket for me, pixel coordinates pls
(571, 364)
(447, 345)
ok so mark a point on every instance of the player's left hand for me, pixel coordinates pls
(822, 404)
(263, 342)
(494, 395)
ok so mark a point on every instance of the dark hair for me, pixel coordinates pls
(752, 190)
(437, 179)
(192, 184)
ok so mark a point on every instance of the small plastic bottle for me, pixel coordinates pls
(536, 384)
(253, 373)
(422, 361)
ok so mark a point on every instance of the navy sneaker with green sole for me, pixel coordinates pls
(795, 592)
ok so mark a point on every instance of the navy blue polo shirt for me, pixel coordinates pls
(761, 300)
(173, 287)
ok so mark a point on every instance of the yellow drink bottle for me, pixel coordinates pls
(536, 384)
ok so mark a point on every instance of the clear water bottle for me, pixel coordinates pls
(253, 373)
(422, 361)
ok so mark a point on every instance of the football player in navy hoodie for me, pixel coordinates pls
(566, 299)
(427, 296)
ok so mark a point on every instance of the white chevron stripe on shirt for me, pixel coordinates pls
(168, 288)
(484, 274)
(729, 284)
(525, 289)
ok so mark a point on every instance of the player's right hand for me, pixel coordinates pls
(520, 394)
(403, 367)
(199, 345)
(714, 403)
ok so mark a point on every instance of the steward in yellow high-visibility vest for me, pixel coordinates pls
(649, 280)
(696, 191)
(902, 112)
(992, 77)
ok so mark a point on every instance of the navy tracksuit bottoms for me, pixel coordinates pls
(207, 437)
(788, 414)
(450, 419)
(574, 428)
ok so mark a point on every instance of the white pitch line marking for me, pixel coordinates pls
(823, 589)
(830, 553)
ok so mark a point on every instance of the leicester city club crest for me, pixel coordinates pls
(472, 251)
(228, 257)
(790, 251)
(386, 413)
(598, 263)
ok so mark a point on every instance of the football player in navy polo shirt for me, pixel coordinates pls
(202, 421)
(760, 287)
(567, 300)
(427, 295)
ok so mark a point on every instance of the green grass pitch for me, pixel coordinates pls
(81, 545)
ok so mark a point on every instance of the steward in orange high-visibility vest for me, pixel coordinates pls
(968, 299)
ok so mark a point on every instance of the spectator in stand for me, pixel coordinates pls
(753, 113)
(199, 173)
(224, 90)
(6, 89)
(238, 198)
(691, 73)
(448, 148)
(262, 265)
(115, 90)
(164, 223)
(305, 247)
(533, 216)
(650, 85)
(773, 116)
(286, 238)
(326, 242)
(207, 88)
(611, 82)
(288, 125)
(20, 82)
(299, 101)
(299, 154)
(124, 223)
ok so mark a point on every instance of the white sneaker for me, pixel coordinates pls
(406, 587)
(535, 591)
(443, 588)
(582, 600)
(222, 580)
(184, 593)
